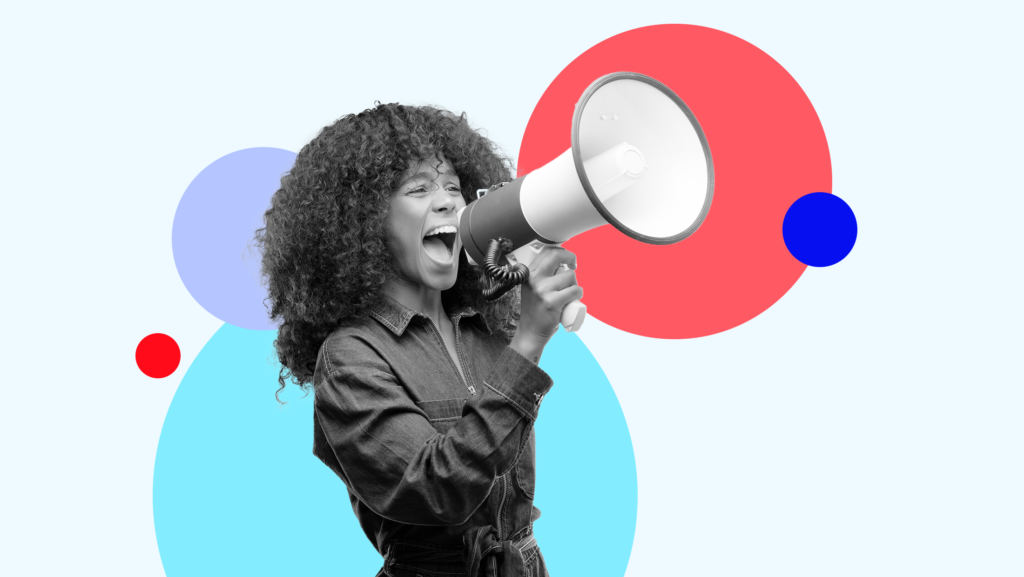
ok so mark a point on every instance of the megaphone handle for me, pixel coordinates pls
(575, 312)
(573, 316)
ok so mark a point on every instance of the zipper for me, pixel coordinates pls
(444, 349)
(458, 353)
(501, 505)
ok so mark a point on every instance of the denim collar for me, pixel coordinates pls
(396, 316)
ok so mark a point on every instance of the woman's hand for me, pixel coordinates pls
(549, 288)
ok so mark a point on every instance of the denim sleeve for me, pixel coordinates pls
(394, 460)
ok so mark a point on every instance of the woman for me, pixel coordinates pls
(425, 393)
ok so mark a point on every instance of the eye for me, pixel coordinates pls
(418, 190)
(453, 188)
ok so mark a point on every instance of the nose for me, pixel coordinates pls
(443, 201)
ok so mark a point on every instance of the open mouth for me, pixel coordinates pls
(440, 242)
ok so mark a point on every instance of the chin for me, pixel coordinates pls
(442, 282)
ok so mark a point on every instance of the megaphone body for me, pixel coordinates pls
(639, 161)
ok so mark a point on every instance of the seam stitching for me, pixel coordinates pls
(509, 399)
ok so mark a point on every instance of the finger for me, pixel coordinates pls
(567, 295)
(550, 258)
(560, 280)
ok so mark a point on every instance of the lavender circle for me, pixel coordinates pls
(213, 230)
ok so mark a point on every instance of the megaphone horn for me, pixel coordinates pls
(639, 161)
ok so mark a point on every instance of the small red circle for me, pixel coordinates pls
(157, 355)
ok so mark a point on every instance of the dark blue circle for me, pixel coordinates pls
(819, 229)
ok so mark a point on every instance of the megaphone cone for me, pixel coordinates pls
(639, 161)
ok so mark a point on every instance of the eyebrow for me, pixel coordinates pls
(429, 176)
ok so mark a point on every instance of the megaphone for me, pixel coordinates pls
(639, 161)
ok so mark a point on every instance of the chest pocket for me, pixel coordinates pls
(443, 414)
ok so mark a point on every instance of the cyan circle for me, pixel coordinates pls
(213, 225)
(586, 472)
(237, 490)
(819, 229)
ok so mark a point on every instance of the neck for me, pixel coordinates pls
(416, 297)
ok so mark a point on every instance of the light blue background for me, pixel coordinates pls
(869, 423)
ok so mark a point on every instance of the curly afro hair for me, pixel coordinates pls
(324, 244)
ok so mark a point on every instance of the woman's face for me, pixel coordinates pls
(422, 224)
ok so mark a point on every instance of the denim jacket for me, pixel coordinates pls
(428, 457)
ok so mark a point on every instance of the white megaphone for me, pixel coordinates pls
(639, 161)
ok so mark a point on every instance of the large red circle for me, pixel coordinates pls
(768, 147)
(157, 355)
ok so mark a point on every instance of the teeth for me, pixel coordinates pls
(447, 228)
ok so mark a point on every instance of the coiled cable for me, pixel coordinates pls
(505, 277)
